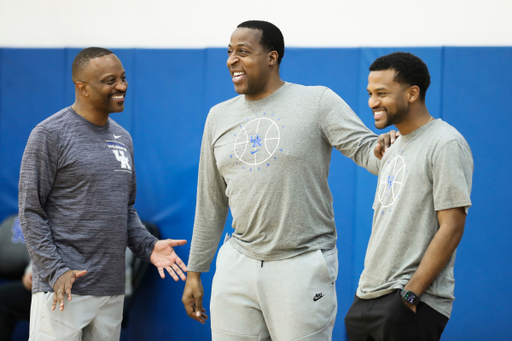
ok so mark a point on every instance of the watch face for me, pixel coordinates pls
(409, 297)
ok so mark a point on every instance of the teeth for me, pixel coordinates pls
(379, 113)
(238, 73)
(118, 97)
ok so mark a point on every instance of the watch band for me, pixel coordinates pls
(410, 297)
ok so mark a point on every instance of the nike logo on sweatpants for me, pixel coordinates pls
(318, 296)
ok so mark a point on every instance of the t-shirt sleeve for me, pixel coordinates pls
(37, 173)
(346, 132)
(452, 176)
(211, 208)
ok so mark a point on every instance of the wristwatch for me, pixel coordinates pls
(410, 297)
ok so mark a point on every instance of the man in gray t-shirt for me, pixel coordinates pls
(423, 194)
(76, 195)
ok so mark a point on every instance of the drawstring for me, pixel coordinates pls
(261, 263)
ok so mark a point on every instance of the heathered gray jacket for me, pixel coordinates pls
(76, 195)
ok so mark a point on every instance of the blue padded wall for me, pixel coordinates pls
(167, 127)
(476, 98)
(169, 95)
(32, 86)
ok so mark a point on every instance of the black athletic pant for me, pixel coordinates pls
(14, 306)
(388, 318)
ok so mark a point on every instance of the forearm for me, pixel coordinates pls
(359, 145)
(347, 133)
(205, 241)
(441, 248)
(37, 174)
(212, 206)
(194, 276)
(140, 241)
(372, 162)
(39, 241)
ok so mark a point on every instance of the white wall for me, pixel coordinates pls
(209, 23)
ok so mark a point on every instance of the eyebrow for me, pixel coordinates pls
(378, 89)
(112, 75)
(241, 44)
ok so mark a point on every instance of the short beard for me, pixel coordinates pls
(401, 113)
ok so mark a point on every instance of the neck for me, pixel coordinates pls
(415, 119)
(90, 114)
(272, 86)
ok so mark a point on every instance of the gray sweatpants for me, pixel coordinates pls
(289, 299)
(85, 318)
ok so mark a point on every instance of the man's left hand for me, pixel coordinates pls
(164, 257)
(27, 280)
(385, 140)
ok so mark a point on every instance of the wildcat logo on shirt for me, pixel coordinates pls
(257, 143)
(391, 181)
(120, 152)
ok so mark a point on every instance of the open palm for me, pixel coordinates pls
(164, 257)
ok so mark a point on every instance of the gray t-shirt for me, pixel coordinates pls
(76, 195)
(268, 161)
(423, 172)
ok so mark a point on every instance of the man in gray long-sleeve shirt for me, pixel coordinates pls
(265, 154)
(76, 195)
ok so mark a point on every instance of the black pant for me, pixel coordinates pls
(15, 302)
(388, 318)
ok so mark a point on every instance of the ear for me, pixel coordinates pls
(82, 88)
(272, 58)
(413, 93)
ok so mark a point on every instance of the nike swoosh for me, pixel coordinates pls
(255, 151)
(316, 298)
(116, 137)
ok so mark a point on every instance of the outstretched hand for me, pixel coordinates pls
(63, 286)
(385, 140)
(164, 257)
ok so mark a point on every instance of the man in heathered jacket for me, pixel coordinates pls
(76, 195)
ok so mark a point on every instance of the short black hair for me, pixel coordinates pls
(83, 57)
(271, 36)
(409, 70)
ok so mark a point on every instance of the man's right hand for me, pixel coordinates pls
(384, 142)
(193, 297)
(64, 285)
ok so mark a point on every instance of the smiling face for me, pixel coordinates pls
(249, 63)
(387, 99)
(105, 84)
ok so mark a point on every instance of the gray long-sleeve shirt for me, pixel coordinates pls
(268, 161)
(76, 195)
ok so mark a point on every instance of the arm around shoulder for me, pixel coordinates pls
(346, 132)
